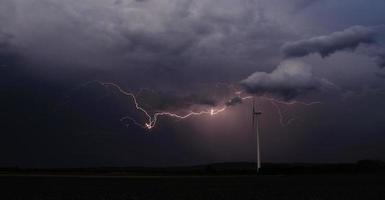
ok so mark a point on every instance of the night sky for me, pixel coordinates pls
(316, 68)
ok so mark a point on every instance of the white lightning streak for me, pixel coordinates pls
(152, 119)
(275, 103)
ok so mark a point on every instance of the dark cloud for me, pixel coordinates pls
(375, 51)
(380, 59)
(8, 54)
(4, 39)
(234, 101)
(175, 47)
(290, 79)
(379, 56)
(175, 101)
(5, 42)
(145, 34)
(380, 75)
(303, 4)
(348, 39)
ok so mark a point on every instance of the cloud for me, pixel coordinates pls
(234, 101)
(379, 56)
(348, 39)
(289, 80)
(5, 40)
(381, 61)
(173, 100)
(303, 4)
(185, 101)
(377, 52)
(380, 75)
(128, 33)
(8, 55)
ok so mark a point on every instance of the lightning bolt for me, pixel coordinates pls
(276, 104)
(153, 119)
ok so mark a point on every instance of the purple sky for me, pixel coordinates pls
(190, 55)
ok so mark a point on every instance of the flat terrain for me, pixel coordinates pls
(317, 187)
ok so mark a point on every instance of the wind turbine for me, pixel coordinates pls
(255, 128)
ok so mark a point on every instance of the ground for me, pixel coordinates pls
(317, 187)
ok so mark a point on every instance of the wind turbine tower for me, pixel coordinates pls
(255, 129)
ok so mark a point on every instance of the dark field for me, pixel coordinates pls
(322, 186)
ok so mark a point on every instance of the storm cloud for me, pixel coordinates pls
(289, 80)
(234, 101)
(377, 52)
(8, 53)
(181, 50)
(175, 101)
(129, 34)
(4, 38)
(348, 39)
